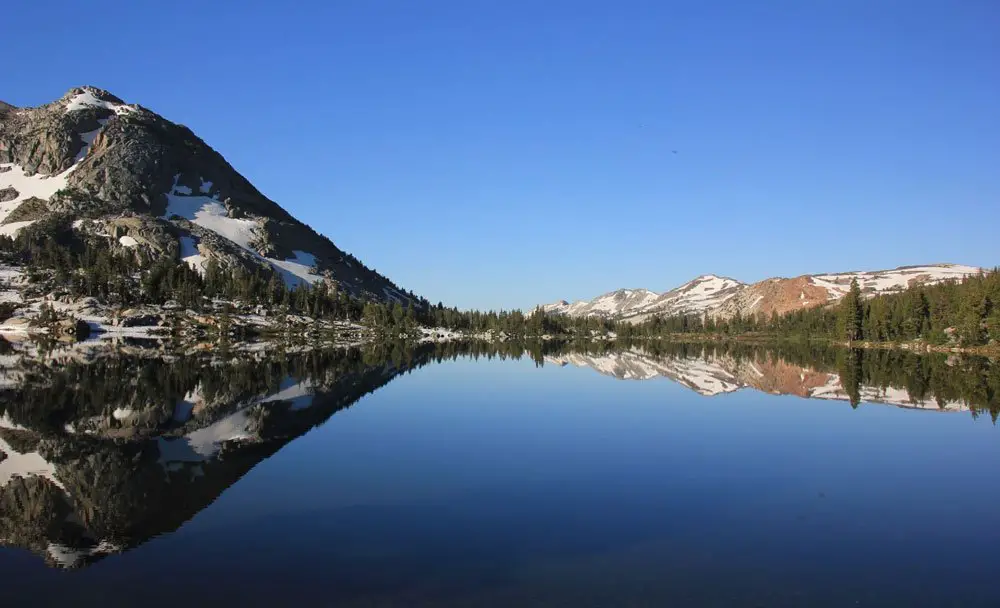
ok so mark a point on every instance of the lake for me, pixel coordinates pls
(478, 475)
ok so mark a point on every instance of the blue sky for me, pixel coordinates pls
(504, 153)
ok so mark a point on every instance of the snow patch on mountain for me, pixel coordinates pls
(13, 228)
(888, 281)
(297, 268)
(191, 256)
(209, 213)
(703, 293)
(609, 304)
(37, 185)
(28, 186)
(88, 140)
(87, 99)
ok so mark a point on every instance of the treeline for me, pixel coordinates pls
(963, 312)
(516, 323)
(57, 258)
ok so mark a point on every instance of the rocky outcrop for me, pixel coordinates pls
(138, 319)
(775, 296)
(29, 210)
(70, 329)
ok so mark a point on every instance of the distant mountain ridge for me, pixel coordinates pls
(121, 172)
(722, 297)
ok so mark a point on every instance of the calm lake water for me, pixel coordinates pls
(644, 476)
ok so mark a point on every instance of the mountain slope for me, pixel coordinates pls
(703, 293)
(123, 172)
(723, 298)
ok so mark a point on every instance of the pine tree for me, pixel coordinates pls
(972, 319)
(851, 314)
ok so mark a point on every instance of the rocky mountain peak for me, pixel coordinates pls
(92, 156)
(89, 96)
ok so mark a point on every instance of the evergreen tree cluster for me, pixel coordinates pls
(515, 323)
(91, 267)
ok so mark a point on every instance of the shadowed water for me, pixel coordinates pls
(530, 475)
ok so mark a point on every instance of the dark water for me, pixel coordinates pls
(677, 477)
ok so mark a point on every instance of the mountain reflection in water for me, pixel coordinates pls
(103, 449)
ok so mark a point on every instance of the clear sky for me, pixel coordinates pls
(505, 153)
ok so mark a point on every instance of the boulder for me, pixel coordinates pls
(71, 329)
(142, 320)
(87, 303)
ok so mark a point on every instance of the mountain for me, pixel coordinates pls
(723, 297)
(703, 293)
(121, 172)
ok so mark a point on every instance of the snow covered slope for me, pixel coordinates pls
(724, 297)
(609, 304)
(887, 281)
(703, 293)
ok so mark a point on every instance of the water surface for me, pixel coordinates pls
(642, 476)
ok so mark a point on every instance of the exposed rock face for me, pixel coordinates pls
(90, 155)
(776, 296)
(30, 210)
